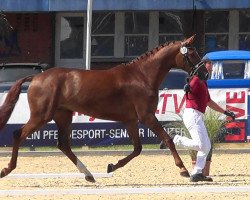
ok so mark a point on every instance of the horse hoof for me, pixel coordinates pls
(3, 173)
(185, 174)
(110, 168)
(90, 179)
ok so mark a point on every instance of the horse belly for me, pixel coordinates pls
(115, 109)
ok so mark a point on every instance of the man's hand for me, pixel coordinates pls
(230, 114)
(187, 88)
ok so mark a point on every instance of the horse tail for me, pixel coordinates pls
(10, 101)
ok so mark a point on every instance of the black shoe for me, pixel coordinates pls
(172, 134)
(200, 177)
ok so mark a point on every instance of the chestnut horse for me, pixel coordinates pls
(127, 93)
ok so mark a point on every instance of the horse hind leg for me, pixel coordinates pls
(18, 137)
(63, 119)
(13, 161)
(134, 136)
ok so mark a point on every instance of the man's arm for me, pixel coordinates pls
(217, 108)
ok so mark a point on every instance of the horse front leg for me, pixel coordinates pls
(64, 146)
(134, 136)
(151, 122)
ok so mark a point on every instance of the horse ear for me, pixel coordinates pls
(188, 41)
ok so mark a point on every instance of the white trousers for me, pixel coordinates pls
(193, 120)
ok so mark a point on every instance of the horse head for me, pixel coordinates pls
(189, 60)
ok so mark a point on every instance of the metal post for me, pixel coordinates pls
(88, 37)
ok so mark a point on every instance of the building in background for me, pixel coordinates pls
(54, 32)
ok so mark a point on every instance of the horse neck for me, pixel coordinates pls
(158, 65)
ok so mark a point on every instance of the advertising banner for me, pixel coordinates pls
(90, 131)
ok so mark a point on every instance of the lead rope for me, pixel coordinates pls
(188, 78)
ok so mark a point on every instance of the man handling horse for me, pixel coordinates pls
(197, 99)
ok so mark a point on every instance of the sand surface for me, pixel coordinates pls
(143, 171)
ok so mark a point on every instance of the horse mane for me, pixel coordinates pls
(150, 52)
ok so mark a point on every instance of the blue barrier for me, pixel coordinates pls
(229, 83)
(82, 134)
